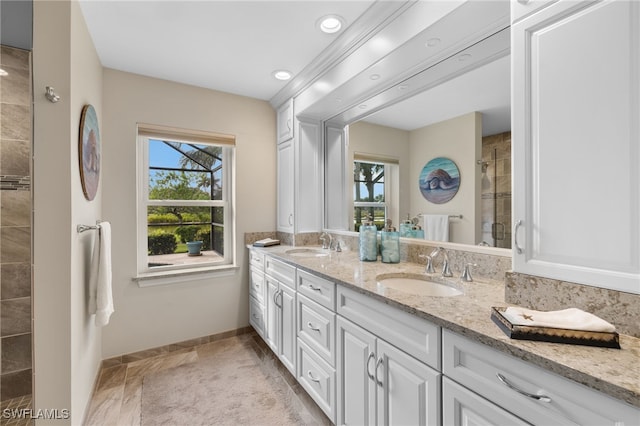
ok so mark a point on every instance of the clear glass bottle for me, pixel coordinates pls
(368, 241)
(390, 244)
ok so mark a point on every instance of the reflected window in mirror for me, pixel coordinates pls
(373, 189)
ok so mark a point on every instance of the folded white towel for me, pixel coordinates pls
(100, 293)
(436, 227)
(569, 319)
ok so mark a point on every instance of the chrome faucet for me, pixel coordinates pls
(323, 238)
(446, 269)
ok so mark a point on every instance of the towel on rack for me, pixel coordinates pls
(436, 227)
(568, 319)
(100, 293)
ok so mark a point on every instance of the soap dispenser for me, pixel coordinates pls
(368, 241)
(390, 244)
(406, 228)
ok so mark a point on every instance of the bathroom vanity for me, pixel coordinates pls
(369, 354)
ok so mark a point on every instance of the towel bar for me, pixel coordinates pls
(82, 228)
(455, 216)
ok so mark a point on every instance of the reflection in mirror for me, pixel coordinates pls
(467, 120)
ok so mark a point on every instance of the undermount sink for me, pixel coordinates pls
(307, 252)
(417, 284)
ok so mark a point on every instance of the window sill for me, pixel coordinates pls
(150, 279)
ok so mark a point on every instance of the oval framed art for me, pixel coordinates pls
(439, 180)
(89, 152)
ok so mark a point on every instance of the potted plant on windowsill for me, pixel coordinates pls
(188, 235)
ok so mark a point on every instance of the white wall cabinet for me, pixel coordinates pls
(280, 307)
(284, 123)
(576, 142)
(299, 175)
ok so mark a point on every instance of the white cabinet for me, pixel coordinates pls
(285, 194)
(534, 395)
(520, 9)
(576, 143)
(379, 383)
(284, 123)
(257, 291)
(461, 407)
(299, 175)
(280, 306)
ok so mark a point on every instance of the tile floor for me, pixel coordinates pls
(118, 394)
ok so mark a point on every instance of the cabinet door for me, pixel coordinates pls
(284, 122)
(576, 136)
(355, 368)
(285, 186)
(272, 317)
(408, 391)
(287, 343)
(461, 407)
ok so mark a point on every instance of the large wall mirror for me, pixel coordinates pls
(464, 117)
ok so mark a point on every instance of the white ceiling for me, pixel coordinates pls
(234, 47)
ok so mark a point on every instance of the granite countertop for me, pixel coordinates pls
(615, 372)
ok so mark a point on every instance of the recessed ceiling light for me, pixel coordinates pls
(282, 75)
(374, 76)
(3, 73)
(362, 106)
(403, 87)
(464, 57)
(330, 24)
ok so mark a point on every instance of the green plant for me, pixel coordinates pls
(204, 235)
(161, 243)
(187, 233)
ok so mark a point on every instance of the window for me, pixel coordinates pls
(369, 193)
(185, 213)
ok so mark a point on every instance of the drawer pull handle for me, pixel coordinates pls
(543, 398)
(378, 364)
(515, 236)
(312, 327)
(314, 288)
(371, 356)
(310, 376)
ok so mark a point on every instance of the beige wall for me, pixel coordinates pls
(67, 345)
(154, 316)
(459, 139)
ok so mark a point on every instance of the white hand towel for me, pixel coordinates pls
(569, 319)
(101, 297)
(436, 227)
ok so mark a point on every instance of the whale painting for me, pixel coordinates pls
(439, 180)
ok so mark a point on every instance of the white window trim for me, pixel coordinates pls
(146, 276)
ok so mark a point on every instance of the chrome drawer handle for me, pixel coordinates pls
(312, 287)
(515, 236)
(313, 379)
(371, 356)
(543, 398)
(378, 364)
(312, 327)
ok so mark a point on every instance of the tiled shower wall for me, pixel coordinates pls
(15, 223)
(496, 190)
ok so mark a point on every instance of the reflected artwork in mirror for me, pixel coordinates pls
(439, 180)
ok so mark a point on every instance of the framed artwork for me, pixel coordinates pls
(89, 152)
(439, 180)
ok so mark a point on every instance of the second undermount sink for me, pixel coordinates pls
(417, 284)
(307, 252)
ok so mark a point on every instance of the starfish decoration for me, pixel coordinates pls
(527, 317)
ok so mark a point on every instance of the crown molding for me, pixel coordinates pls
(374, 19)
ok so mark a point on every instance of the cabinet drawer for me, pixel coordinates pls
(460, 407)
(316, 327)
(281, 271)
(256, 315)
(256, 260)
(411, 334)
(318, 378)
(477, 366)
(317, 289)
(256, 284)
